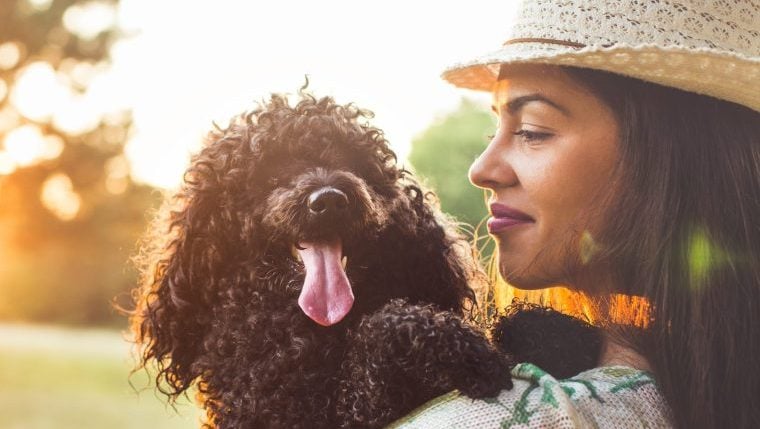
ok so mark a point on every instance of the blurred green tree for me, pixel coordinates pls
(442, 155)
(69, 213)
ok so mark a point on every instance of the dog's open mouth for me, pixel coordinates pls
(326, 296)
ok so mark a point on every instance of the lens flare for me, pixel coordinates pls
(588, 247)
(703, 257)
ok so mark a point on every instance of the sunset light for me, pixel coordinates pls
(291, 213)
(392, 68)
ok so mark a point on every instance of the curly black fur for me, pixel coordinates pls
(405, 355)
(218, 307)
(559, 344)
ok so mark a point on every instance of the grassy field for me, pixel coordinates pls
(59, 378)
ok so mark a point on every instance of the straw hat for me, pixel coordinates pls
(710, 47)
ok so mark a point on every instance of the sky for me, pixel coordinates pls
(185, 64)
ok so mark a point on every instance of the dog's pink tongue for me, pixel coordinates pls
(326, 296)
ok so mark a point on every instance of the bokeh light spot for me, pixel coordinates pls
(117, 175)
(25, 145)
(89, 19)
(3, 89)
(77, 116)
(10, 55)
(59, 197)
(40, 5)
(7, 165)
(53, 147)
(38, 92)
(9, 119)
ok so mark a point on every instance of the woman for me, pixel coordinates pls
(626, 167)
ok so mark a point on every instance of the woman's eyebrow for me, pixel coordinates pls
(514, 105)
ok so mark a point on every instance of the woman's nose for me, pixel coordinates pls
(492, 168)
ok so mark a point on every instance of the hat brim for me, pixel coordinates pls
(728, 76)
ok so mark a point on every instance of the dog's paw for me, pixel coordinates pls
(483, 374)
(559, 344)
(438, 350)
(479, 388)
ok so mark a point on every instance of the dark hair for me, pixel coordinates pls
(683, 231)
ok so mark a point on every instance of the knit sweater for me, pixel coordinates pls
(604, 397)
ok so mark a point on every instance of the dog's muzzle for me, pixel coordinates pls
(326, 296)
(327, 201)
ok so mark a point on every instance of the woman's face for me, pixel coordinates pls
(552, 156)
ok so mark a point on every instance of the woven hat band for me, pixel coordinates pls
(542, 40)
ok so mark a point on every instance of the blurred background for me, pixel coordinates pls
(101, 104)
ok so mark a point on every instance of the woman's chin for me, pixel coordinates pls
(524, 280)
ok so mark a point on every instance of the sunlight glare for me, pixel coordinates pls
(157, 164)
(89, 19)
(216, 73)
(107, 95)
(59, 197)
(39, 92)
(77, 116)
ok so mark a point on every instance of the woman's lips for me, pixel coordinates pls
(505, 217)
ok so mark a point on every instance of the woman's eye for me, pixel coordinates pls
(531, 136)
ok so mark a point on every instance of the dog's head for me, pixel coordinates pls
(324, 183)
(301, 188)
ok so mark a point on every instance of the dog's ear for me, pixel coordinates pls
(445, 257)
(186, 258)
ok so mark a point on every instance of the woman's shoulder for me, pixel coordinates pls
(611, 396)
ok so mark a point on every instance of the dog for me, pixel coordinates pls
(301, 278)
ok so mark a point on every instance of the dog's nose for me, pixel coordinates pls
(327, 200)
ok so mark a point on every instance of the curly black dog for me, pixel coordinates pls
(302, 279)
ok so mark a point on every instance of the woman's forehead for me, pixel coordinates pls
(548, 84)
